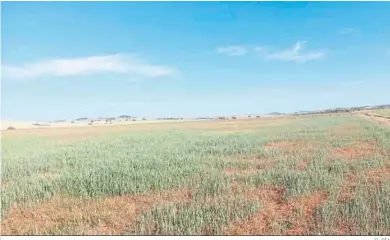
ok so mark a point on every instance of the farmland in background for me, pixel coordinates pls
(302, 175)
(383, 112)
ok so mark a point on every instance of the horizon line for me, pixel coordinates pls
(205, 116)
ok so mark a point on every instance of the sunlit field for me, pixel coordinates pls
(383, 112)
(327, 175)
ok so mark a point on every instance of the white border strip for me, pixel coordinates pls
(195, 1)
(195, 237)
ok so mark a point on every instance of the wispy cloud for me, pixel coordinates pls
(352, 83)
(258, 48)
(116, 63)
(233, 50)
(293, 54)
(348, 31)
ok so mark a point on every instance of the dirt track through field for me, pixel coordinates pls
(377, 119)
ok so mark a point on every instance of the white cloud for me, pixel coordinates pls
(232, 50)
(348, 31)
(116, 63)
(295, 54)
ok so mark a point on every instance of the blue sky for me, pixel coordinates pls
(64, 60)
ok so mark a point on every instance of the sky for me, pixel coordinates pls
(65, 60)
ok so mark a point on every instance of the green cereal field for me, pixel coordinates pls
(327, 175)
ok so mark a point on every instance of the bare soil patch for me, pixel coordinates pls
(345, 228)
(276, 209)
(348, 189)
(378, 176)
(109, 216)
(354, 151)
(302, 165)
(375, 176)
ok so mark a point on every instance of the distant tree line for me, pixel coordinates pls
(341, 110)
(170, 118)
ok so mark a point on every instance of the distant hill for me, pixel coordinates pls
(126, 116)
(339, 110)
(275, 113)
(82, 119)
(333, 110)
(170, 118)
(58, 121)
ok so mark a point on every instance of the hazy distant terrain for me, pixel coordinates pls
(127, 119)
